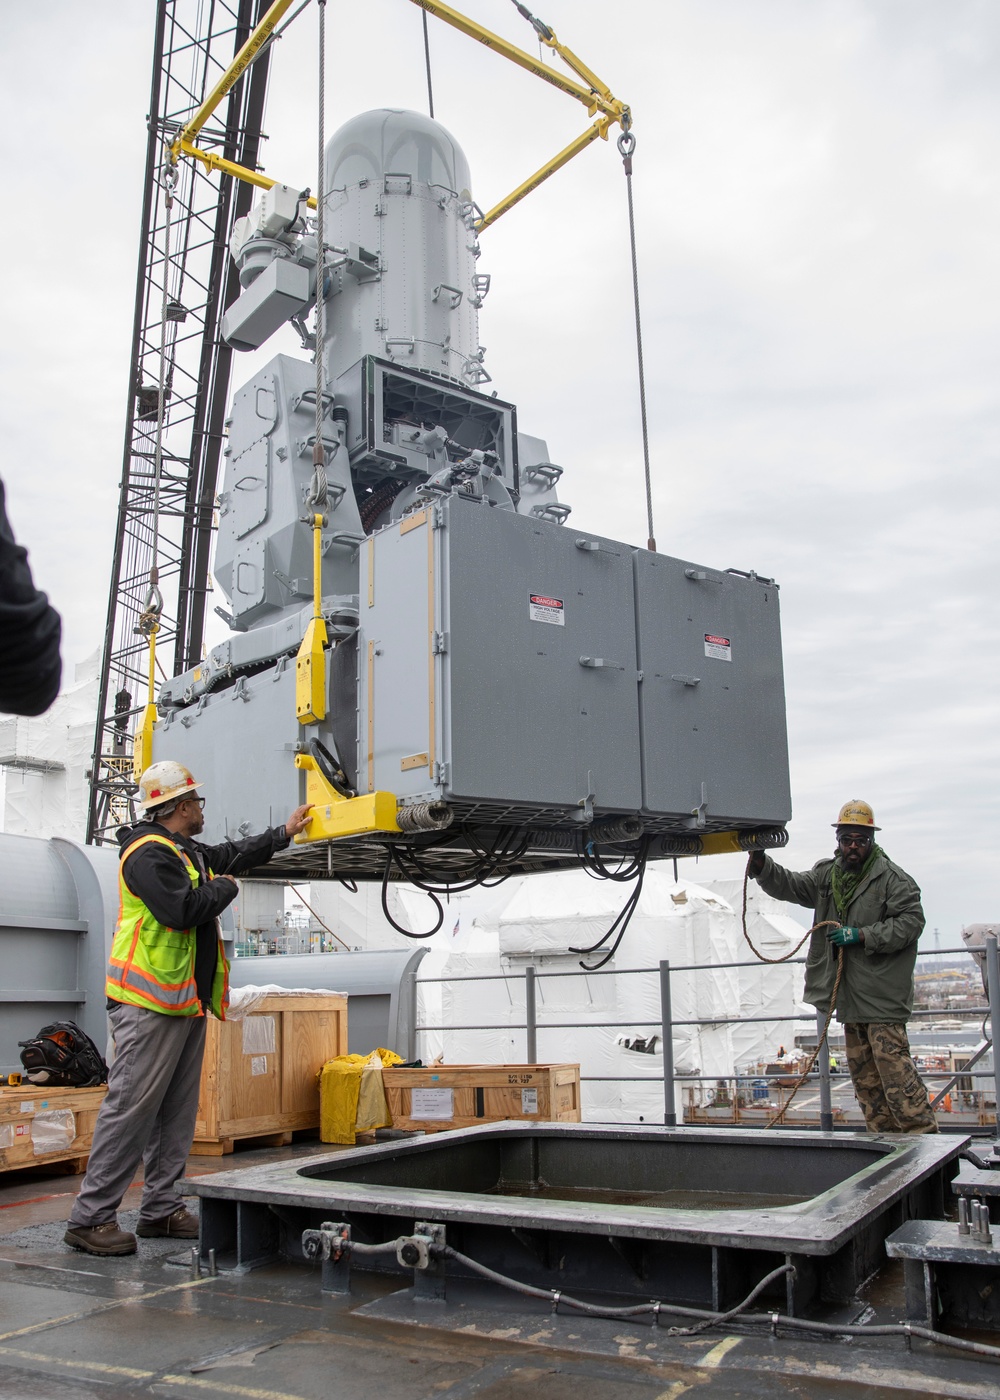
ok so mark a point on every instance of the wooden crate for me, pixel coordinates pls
(482, 1094)
(19, 1107)
(259, 1075)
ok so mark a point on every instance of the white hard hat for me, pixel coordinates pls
(165, 782)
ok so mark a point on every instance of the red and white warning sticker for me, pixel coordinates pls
(718, 647)
(544, 609)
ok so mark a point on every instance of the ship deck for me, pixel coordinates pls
(75, 1327)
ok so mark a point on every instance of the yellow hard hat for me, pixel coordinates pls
(164, 782)
(857, 813)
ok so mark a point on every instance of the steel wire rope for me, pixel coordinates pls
(824, 923)
(326, 927)
(153, 607)
(427, 65)
(318, 487)
(626, 146)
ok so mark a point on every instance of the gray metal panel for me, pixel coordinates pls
(55, 960)
(280, 291)
(379, 985)
(239, 743)
(523, 719)
(395, 654)
(250, 473)
(713, 715)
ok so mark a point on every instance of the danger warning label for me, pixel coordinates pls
(544, 609)
(718, 647)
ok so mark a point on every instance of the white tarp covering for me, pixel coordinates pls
(545, 915)
(471, 985)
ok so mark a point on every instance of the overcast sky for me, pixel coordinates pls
(817, 200)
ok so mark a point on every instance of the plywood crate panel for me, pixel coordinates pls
(471, 1094)
(32, 1116)
(259, 1074)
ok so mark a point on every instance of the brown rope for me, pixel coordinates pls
(326, 927)
(825, 923)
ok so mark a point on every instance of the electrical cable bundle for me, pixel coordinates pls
(632, 867)
(486, 869)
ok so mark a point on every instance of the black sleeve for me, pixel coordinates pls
(30, 630)
(233, 857)
(161, 881)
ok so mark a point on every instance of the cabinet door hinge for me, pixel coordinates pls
(439, 773)
(439, 643)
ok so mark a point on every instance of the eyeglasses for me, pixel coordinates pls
(200, 801)
(855, 840)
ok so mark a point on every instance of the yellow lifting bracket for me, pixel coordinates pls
(595, 95)
(310, 663)
(334, 815)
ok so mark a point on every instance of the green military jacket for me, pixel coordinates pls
(877, 984)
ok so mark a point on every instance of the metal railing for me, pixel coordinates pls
(821, 1075)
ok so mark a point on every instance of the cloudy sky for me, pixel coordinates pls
(817, 199)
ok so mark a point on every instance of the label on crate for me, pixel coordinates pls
(6, 1134)
(529, 1100)
(721, 648)
(545, 609)
(432, 1105)
(258, 1064)
(27, 1105)
(259, 1036)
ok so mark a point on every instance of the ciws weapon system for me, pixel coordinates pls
(422, 645)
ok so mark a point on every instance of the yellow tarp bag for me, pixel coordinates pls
(351, 1096)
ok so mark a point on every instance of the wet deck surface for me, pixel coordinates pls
(74, 1327)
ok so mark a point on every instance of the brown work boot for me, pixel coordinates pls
(182, 1225)
(100, 1239)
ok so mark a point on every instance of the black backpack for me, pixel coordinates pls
(63, 1054)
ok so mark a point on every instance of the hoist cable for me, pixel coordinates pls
(427, 64)
(149, 618)
(318, 486)
(169, 183)
(626, 146)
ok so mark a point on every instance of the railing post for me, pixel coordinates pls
(530, 1016)
(667, 1032)
(993, 993)
(825, 1095)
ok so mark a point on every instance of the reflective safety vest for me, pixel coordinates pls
(152, 965)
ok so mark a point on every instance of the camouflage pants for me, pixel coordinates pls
(886, 1083)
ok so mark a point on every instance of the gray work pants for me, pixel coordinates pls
(148, 1114)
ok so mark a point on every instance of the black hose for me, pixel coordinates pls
(624, 918)
(385, 906)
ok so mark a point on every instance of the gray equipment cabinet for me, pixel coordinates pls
(510, 664)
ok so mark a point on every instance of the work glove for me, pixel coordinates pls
(756, 862)
(843, 937)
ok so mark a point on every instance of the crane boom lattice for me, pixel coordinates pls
(194, 44)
